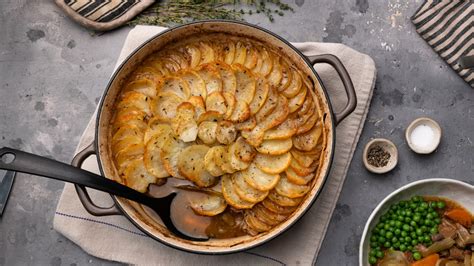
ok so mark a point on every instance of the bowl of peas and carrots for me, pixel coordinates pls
(404, 229)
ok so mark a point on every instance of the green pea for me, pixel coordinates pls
(398, 224)
(379, 254)
(372, 260)
(417, 255)
(396, 245)
(380, 225)
(418, 231)
(408, 213)
(397, 232)
(413, 205)
(403, 247)
(394, 240)
(382, 232)
(424, 228)
(383, 218)
(386, 226)
(434, 230)
(428, 222)
(381, 239)
(400, 218)
(426, 239)
(389, 235)
(441, 204)
(403, 213)
(424, 206)
(407, 219)
(421, 238)
(374, 244)
(416, 198)
(373, 238)
(416, 218)
(414, 242)
(407, 239)
(413, 234)
(387, 244)
(429, 216)
(413, 223)
(391, 223)
(435, 214)
(372, 252)
(437, 220)
(406, 227)
(394, 216)
(409, 247)
(404, 233)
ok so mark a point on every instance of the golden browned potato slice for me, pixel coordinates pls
(156, 127)
(247, 125)
(165, 104)
(199, 106)
(243, 150)
(147, 73)
(129, 119)
(253, 137)
(308, 140)
(159, 66)
(300, 120)
(236, 163)
(125, 131)
(245, 191)
(231, 196)
(286, 77)
(261, 94)
(179, 59)
(195, 83)
(214, 159)
(241, 112)
(229, 50)
(253, 222)
(240, 53)
(225, 163)
(276, 74)
(301, 158)
(273, 164)
(229, 81)
(216, 102)
(126, 142)
(127, 155)
(275, 146)
(207, 132)
(171, 65)
(267, 216)
(309, 124)
(278, 116)
(175, 85)
(296, 102)
(230, 103)
(290, 190)
(295, 86)
(283, 131)
(294, 178)
(209, 205)
(184, 125)
(226, 132)
(267, 62)
(211, 78)
(282, 200)
(170, 151)
(152, 157)
(191, 165)
(135, 99)
(260, 180)
(251, 57)
(145, 86)
(301, 170)
(274, 207)
(212, 116)
(137, 177)
(246, 84)
(207, 53)
(269, 105)
(308, 105)
(195, 54)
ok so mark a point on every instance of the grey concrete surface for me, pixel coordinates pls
(53, 72)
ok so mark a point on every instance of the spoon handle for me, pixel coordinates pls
(20, 161)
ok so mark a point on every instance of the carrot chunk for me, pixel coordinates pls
(461, 216)
(428, 261)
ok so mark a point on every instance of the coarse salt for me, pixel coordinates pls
(422, 136)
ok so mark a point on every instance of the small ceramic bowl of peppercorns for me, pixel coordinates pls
(380, 156)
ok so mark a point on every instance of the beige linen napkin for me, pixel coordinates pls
(115, 238)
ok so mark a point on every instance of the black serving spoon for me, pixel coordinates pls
(20, 161)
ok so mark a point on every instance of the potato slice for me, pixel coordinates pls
(159, 66)
(207, 132)
(287, 75)
(199, 106)
(274, 207)
(267, 62)
(211, 78)
(226, 132)
(276, 75)
(184, 125)
(156, 127)
(211, 204)
(125, 131)
(195, 54)
(253, 222)
(246, 84)
(241, 112)
(240, 53)
(273, 164)
(152, 157)
(191, 165)
(165, 104)
(216, 102)
(124, 157)
(278, 116)
(295, 86)
(308, 140)
(126, 142)
(268, 217)
(282, 200)
(269, 105)
(214, 159)
(144, 86)
(207, 53)
(233, 155)
(137, 177)
(243, 150)
(296, 102)
(308, 105)
(261, 94)
(175, 85)
(290, 190)
(229, 81)
(147, 73)
(247, 125)
(171, 65)
(128, 119)
(309, 124)
(251, 57)
(260, 180)
(179, 58)
(195, 83)
(275, 146)
(294, 178)
(135, 99)
(301, 170)
(212, 116)
(170, 151)
(301, 158)
(245, 191)
(230, 103)
(229, 50)
(283, 131)
(231, 196)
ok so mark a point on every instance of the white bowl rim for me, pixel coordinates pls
(390, 196)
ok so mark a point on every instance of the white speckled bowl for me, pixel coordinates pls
(436, 138)
(458, 191)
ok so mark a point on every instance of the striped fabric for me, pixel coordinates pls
(101, 10)
(447, 26)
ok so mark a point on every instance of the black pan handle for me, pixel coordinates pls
(346, 81)
(81, 191)
(20, 161)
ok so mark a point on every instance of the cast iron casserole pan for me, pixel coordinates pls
(134, 211)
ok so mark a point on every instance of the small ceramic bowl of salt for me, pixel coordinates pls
(423, 135)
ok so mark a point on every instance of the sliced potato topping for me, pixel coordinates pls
(290, 190)
(231, 196)
(209, 204)
(273, 164)
(191, 165)
(260, 180)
